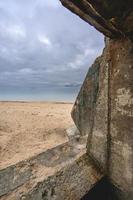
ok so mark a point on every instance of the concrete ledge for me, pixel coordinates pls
(69, 183)
(16, 175)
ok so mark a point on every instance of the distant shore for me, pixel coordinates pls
(35, 101)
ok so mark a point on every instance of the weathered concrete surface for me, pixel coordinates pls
(68, 183)
(90, 110)
(109, 120)
(83, 110)
(112, 18)
(97, 140)
(104, 106)
(14, 176)
(121, 122)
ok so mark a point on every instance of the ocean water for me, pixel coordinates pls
(65, 94)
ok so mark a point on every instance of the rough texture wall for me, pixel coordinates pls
(97, 142)
(104, 111)
(83, 110)
(90, 111)
(104, 107)
(121, 113)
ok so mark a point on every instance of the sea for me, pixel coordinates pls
(59, 94)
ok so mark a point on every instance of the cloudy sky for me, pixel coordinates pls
(45, 50)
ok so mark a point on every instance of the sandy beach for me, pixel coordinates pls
(28, 128)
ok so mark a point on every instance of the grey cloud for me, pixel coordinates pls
(43, 44)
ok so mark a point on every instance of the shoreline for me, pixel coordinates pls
(37, 101)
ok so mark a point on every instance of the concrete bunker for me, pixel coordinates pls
(104, 105)
(103, 110)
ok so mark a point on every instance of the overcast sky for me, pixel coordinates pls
(42, 46)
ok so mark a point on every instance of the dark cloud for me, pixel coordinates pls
(44, 45)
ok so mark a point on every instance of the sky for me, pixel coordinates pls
(45, 50)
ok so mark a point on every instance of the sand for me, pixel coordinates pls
(28, 128)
